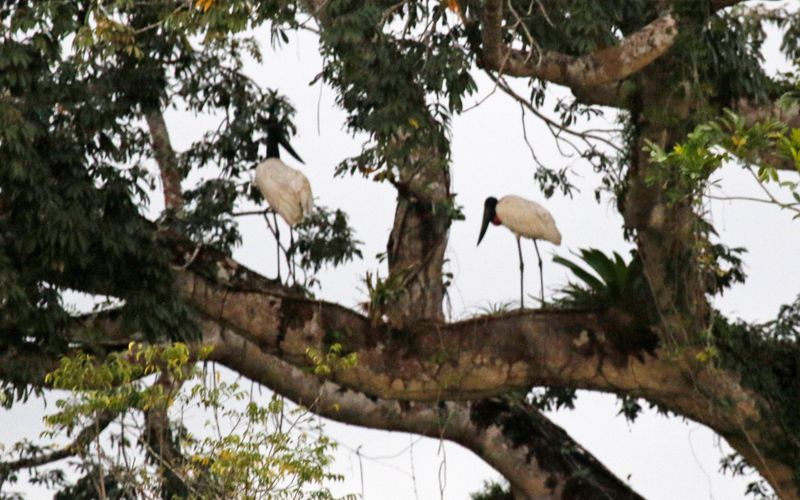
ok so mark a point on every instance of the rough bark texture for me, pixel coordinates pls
(484, 357)
(605, 66)
(166, 159)
(670, 244)
(536, 456)
(418, 240)
(666, 226)
(417, 373)
(161, 446)
(402, 377)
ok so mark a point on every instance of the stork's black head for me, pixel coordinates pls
(276, 134)
(489, 213)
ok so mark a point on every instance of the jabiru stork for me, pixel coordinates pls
(286, 189)
(525, 218)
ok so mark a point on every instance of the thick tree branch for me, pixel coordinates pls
(166, 159)
(471, 359)
(602, 67)
(615, 94)
(484, 357)
(539, 458)
(536, 456)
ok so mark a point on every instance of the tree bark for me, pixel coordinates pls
(418, 240)
(538, 458)
(486, 356)
(659, 207)
(602, 67)
(161, 445)
(166, 159)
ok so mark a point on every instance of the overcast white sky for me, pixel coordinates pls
(662, 458)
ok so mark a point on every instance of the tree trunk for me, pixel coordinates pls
(658, 206)
(418, 240)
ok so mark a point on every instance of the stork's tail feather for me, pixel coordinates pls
(555, 238)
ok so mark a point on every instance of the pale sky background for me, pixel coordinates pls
(662, 458)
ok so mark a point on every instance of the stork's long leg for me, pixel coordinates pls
(278, 244)
(541, 275)
(521, 275)
(290, 255)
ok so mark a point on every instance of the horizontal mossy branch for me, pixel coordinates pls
(541, 461)
(461, 362)
(482, 357)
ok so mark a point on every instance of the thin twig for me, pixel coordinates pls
(789, 206)
(584, 136)
(264, 211)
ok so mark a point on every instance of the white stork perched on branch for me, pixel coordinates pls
(286, 189)
(524, 218)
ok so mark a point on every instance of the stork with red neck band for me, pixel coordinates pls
(524, 218)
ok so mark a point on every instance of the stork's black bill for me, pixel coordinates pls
(291, 150)
(489, 207)
(276, 135)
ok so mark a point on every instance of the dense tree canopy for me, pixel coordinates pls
(83, 89)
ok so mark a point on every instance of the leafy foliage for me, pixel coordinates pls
(735, 465)
(729, 137)
(76, 79)
(609, 281)
(492, 490)
(335, 359)
(207, 215)
(553, 398)
(767, 356)
(325, 238)
(722, 263)
(393, 83)
(70, 214)
(76, 82)
(248, 450)
(619, 289)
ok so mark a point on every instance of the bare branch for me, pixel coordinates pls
(585, 136)
(604, 66)
(77, 446)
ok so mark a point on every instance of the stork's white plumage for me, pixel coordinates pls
(286, 190)
(525, 218)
